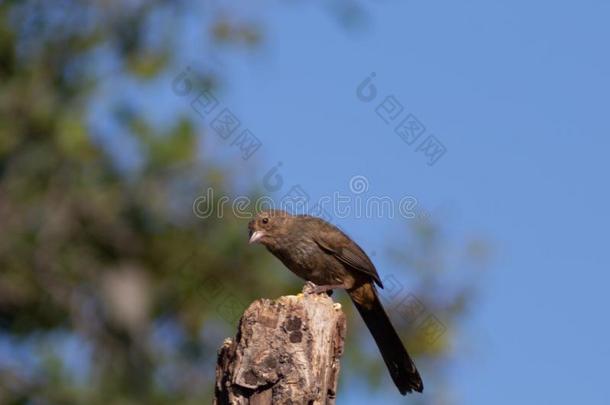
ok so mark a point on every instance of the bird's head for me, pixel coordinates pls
(267, 226)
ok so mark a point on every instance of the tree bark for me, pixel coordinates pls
(286, 352)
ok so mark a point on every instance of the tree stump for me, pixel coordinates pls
(286, 352)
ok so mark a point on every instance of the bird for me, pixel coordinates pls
(322, 254)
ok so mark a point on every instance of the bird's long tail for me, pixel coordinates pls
(399, 363)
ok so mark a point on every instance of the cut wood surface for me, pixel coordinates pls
(286, 351)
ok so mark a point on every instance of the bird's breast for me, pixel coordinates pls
(305, 258)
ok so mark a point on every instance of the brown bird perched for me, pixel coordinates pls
(319, 252)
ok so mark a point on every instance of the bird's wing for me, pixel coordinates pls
(349, 254)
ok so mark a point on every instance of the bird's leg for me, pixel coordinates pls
(319, 289)
(311, 288)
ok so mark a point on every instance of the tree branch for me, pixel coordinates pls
(286, 351)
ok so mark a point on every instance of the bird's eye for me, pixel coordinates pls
(265, 220)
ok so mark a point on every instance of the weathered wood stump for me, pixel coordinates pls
(286, 352)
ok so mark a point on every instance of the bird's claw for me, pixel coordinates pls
(311, 288)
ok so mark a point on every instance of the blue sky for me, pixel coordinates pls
(518, 92)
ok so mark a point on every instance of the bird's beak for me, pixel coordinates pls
(256, 236)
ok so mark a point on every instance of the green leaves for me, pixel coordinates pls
(178, 145)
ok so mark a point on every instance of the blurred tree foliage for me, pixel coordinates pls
(108, 292)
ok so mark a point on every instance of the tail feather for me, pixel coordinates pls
(399, 363)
